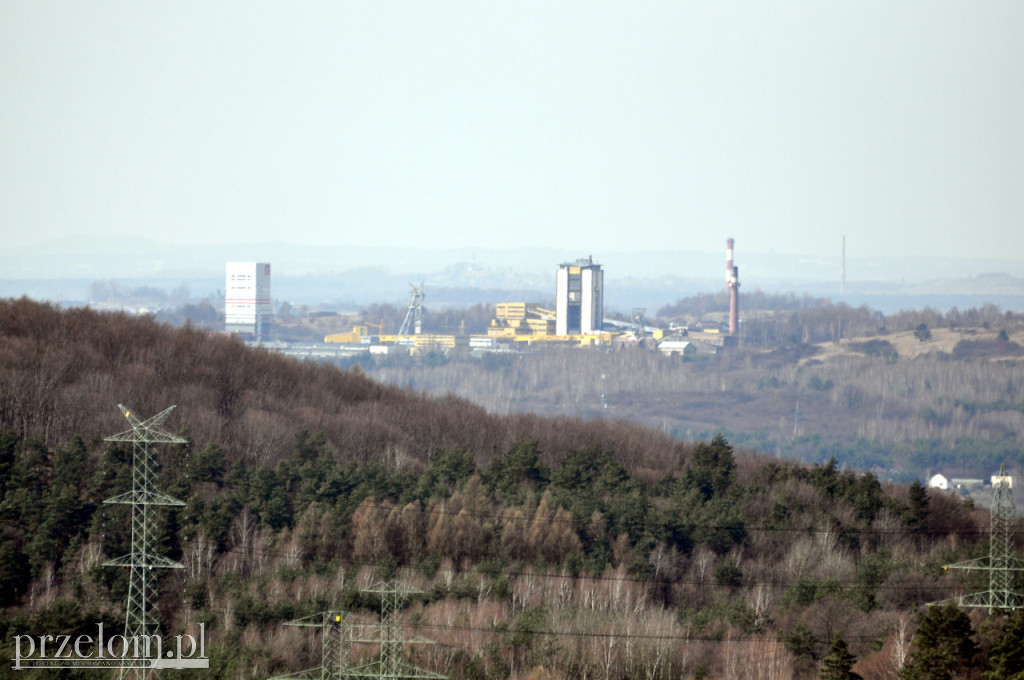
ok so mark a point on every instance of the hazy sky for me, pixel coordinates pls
(590, 126)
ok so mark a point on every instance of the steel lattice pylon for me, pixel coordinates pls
(333, 646)
(143, 557)
(390, 645)
(1000, 563)
(338, 635)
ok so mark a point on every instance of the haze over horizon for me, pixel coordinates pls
(593, 128)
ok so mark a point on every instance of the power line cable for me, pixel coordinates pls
(824, 584)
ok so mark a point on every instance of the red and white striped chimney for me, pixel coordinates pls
(732, 282)
(728, 261)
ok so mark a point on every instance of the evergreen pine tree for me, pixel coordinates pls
(917, 519)
(1007, 656)
(918, 496)
(942, 647)
(711, 471)
(837, 665)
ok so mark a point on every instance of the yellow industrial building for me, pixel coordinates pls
(578, 321)
(359, 335)
(512, 319)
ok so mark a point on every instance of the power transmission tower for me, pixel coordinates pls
(143, 557)
(333, 646)
(390, 664)
(1000, 563)
(337, 635)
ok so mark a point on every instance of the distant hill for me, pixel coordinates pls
(318, 273)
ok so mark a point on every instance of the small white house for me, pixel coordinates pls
(938, 482)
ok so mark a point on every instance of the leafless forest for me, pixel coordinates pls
(545, 546)
(886, 400)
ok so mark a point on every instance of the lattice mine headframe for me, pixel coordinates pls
(1000, 563)
(143, 498)
(413, 323)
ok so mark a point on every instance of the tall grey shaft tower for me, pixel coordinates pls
(143, 557)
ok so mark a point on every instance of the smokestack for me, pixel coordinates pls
(728, 260)
(732, 282)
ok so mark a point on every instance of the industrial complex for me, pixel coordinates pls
(577, 320)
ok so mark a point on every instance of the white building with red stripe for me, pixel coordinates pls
(247, 309)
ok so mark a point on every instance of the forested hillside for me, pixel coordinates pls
(544, 547)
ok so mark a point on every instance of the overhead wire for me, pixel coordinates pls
(509, 629)
(501, 516)
(824, 584)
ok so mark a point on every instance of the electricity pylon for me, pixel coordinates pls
(1000, 563)
(337, 635)
(389, 664)
(143, 557)
(333, 646)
